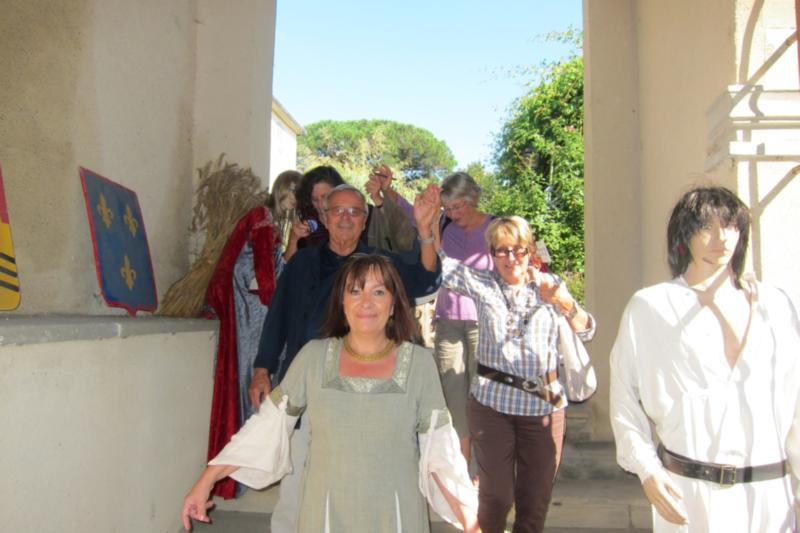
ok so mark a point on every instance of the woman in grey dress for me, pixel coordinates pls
(381, 437)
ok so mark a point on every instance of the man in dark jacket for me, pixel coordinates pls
(299, 303)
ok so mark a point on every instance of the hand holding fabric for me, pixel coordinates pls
(260, 386)
(554, 293)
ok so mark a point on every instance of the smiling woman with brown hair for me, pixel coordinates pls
(381, 440)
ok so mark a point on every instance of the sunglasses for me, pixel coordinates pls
(518, 252)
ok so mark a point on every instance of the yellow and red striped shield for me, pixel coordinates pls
(9, 280)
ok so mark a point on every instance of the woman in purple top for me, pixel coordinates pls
(456, 340)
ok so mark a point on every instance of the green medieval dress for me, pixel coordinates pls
(370, 440)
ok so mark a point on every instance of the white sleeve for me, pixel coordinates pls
(793, 437)
(440, 452)
(464, 279)
(261, 447)
(635, 449)
(793, 451)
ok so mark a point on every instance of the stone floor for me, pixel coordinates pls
(591, 494)
(614, 505)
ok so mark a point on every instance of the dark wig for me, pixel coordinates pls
(400, 327)
(326, 174)
(693, 211)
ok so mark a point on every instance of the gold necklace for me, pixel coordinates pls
(370, 356)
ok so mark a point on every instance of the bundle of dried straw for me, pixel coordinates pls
(225, 193)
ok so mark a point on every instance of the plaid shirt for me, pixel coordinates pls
(517, 336)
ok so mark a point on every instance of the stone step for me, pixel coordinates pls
(578, 506)
(599, 504)
(591, 493)
(590, 460)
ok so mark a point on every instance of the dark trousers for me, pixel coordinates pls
(518, 457)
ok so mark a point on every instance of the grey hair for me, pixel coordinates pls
(341, 188)
(460, 185)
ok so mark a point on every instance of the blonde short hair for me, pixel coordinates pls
(516, 228)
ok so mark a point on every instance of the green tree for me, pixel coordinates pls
(355, 146)
(539, 163)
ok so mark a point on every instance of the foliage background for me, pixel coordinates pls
(537, 166)
(415, 155)
(538, 162)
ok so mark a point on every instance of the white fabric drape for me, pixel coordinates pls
(440, 452)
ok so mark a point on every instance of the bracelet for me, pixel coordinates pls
(426, 240)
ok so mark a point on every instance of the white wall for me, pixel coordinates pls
(653, 72)
(104, 434)
(107, 432)
(233, 93)
(104, 85)
(283, 148)
(140, 92)
(612, 189)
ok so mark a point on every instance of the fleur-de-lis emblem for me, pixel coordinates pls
(105, 213)
(130, 220)
(128, 274)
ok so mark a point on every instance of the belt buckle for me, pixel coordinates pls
(727, 475)
(529, 385)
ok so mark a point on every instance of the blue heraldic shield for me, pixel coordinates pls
(122, 255)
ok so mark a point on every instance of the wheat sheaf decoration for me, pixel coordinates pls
(225, 193)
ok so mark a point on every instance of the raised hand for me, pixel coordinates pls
(373, 187)
(426, 209)
(552, 292)
(433, 193)
(384, 176)
(300, 229)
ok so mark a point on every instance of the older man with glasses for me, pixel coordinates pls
(298, 306)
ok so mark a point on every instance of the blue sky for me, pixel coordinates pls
(443, 65)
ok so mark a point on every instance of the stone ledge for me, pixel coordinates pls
(36, 329)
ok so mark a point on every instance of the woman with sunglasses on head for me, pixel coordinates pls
(381, 437)
(516, 407)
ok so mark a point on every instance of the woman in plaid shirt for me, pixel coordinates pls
(516, 408)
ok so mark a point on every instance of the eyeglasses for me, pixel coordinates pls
(352, 212)
(518, 252)
(455, 206)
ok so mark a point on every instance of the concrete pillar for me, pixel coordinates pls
(612, 180)
(233, 83)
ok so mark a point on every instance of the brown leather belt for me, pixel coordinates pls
(725, 475)
(537, 386)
